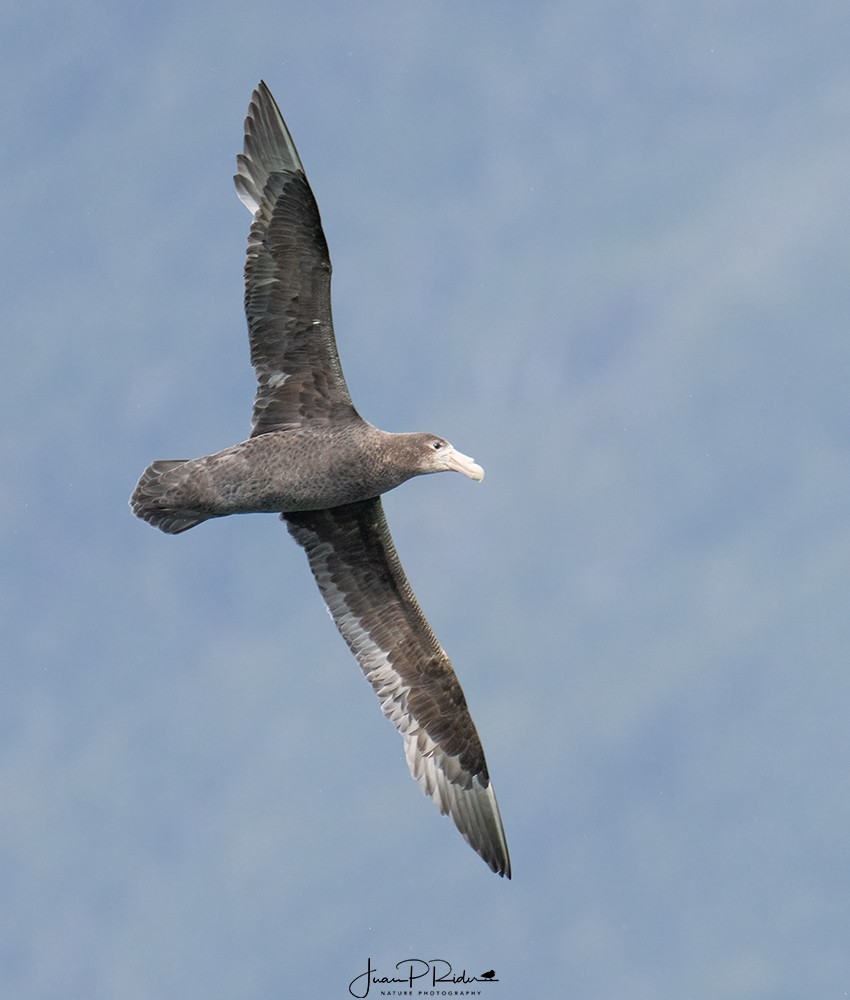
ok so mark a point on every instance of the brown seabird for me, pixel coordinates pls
(312, 458)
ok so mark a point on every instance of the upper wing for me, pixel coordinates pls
(359, 574)
(287, 280)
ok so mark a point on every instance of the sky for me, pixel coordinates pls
(602, 247)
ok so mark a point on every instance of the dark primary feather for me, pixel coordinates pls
(359, 574)
(287, 281)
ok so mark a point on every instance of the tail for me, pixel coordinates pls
(151, 501)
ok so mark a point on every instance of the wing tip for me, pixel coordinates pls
(490, 843)
(268, 147)
(468, 799)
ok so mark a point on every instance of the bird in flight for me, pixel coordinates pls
(315, 461)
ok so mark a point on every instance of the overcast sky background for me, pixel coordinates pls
(604, 248)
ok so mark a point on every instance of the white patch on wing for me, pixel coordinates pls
(276, 380)
(247, 200)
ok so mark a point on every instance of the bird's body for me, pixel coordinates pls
(313, 459)
(303, 468)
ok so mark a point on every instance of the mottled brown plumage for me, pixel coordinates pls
(314, 460)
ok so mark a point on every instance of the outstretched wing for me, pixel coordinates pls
(287, 281)
(364, 586)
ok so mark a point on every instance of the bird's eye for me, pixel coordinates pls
(436, 445)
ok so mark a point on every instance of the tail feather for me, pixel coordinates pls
(150, 500)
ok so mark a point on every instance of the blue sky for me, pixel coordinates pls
(604, 249)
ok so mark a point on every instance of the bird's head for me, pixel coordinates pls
(430, 453)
